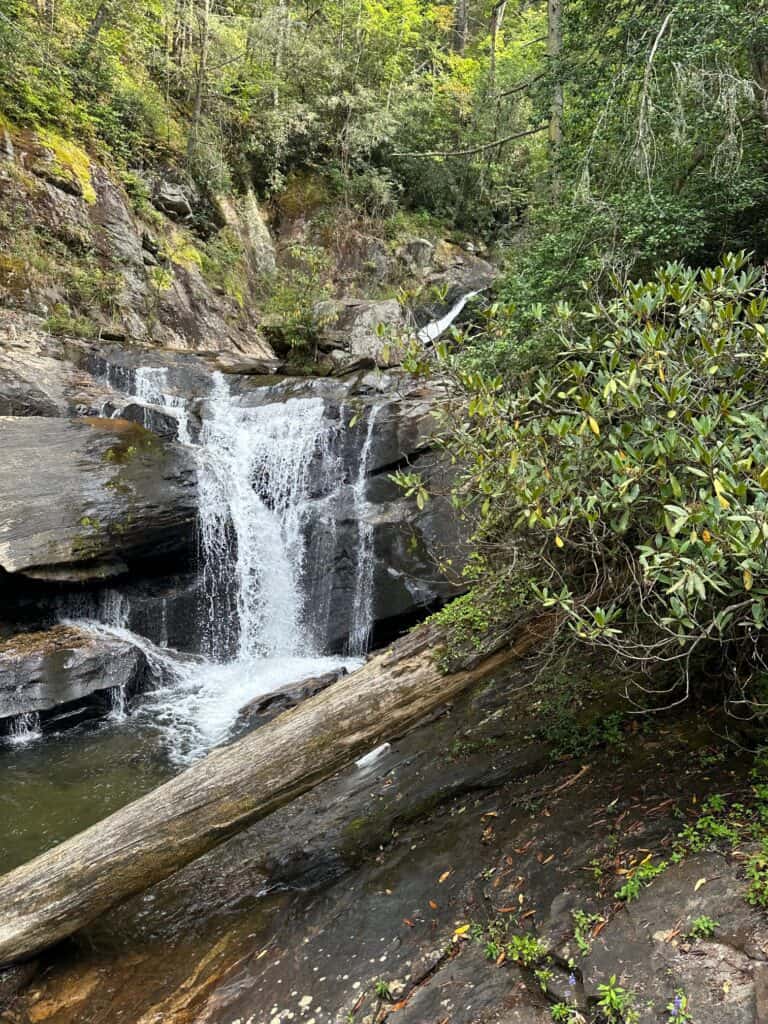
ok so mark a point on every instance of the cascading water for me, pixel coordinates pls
(259, 468)
(362, 602)
(151, 388)
(254, 479)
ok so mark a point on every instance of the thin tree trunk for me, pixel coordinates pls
(282, 25)
(103, 14)
(497, 17)
(204, 21)
(554, 52)
(460, 25)
(66, 888)
(760, 69)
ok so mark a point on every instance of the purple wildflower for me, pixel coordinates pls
(571, 980)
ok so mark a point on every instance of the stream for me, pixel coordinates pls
(275, 478)
(260, 629)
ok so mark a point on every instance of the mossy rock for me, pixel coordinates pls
(64, 164)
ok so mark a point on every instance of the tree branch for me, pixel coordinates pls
(517, 88)
(478, 149)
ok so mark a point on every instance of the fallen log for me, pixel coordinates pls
(66, 888)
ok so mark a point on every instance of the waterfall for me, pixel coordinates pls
(24, 728)
(263, 473)
(362, 602)
(151, 388)
(432, 331)
(254, 484)
(148, 386)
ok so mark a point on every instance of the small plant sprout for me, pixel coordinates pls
(583, 924)
(642, 875)
(615, 1003)
(381, 988)
(678, 1009)
(703, 928)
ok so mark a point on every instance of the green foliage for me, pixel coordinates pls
(562, 1013)
(678, 1009)
(583, 923)
(63, 322)
(638, 879)
(526, 950)
(615, 1003)
(224, 264)
(294, 307)
(757, 873)
(703, 927)
(381, 988)
(627, 484)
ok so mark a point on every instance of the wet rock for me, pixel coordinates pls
(230, 362)
(79, 493)
(457, 273)
(40, 673)
(267, 706)
(21, 397)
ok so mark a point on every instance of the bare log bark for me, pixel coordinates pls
(66, 888)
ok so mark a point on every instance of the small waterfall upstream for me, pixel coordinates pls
(259, 469)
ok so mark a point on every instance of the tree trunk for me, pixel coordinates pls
(104, 13)
(554, 52)
(460, 25)
(66, 888)
(497, 17)
(760, 69)
(204, 21)
(277, 68)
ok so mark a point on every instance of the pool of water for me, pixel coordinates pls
(58, 785)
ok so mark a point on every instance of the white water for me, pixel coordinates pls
(435, 328)
(151, 388)
(148, 386)
(24, 729)
(196, 702)
(362, 604)
(253, 480)
(256, 468)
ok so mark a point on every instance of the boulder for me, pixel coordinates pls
(79, 497)
(366, 328)
(39, 375)
(416, 255)
(261, 709)
(41, 673)
(173, 200)
(645, 945)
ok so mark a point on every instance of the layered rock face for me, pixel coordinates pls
(134, 276)
(99, 501)
(80, 497)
